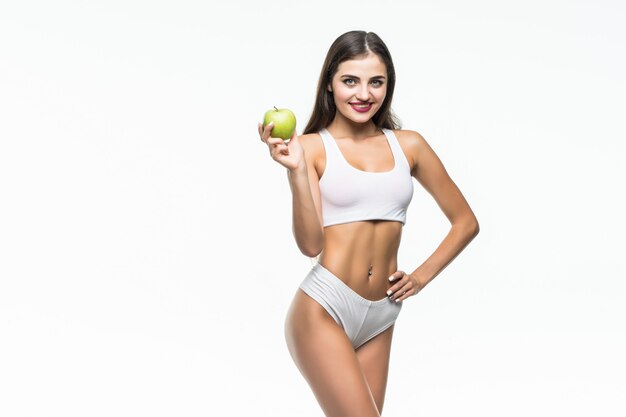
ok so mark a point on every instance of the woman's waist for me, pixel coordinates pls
(369, 279)
(362, 254)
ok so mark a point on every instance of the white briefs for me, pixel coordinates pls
(360, 318)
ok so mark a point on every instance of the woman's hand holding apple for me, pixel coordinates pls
(290, 155)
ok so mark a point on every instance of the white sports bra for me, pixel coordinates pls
(350, 194)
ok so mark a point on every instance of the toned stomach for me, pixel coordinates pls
(363, 255)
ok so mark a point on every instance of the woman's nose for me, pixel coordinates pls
(364, 93)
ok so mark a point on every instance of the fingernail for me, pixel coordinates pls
(388, 292)
(397, 300)
(391, 278)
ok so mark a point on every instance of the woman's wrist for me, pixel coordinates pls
(299, 170)
(420, 279)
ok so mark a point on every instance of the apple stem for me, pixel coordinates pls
(275, 108)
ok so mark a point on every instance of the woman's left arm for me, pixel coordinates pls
(429, 171)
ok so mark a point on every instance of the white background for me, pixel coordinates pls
(146, 254)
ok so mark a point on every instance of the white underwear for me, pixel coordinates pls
(360, 318)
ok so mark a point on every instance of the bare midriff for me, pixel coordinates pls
(363, 254)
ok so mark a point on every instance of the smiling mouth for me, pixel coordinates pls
(361, 107)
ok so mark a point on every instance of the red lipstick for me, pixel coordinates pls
(361, 107)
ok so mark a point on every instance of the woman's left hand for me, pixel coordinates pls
(404, 286)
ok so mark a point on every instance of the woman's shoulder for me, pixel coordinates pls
(407, 135)
(412, 143)
(309, 136)
(311, 140)
(312, 145)
(409, 138)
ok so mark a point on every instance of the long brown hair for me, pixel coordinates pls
(349, 46)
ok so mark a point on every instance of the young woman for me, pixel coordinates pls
(351, 174)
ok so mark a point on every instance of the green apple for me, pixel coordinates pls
(284, 122)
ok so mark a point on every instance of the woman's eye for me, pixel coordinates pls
(377, 83)
(349, 81)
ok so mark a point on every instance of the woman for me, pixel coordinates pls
(350, 176)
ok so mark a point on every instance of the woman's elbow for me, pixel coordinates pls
(474, 227)
(310, 253)
(312, 247)
(312, 250)
(469, 225)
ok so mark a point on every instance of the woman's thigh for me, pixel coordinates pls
(325, 357)
(374, 358)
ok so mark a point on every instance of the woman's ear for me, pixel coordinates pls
(328, 87)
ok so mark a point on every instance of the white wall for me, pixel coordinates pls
(146, 254)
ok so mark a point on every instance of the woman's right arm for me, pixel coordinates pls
(304, 184)
(307, 214)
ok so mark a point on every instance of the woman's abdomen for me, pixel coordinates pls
(363, 254)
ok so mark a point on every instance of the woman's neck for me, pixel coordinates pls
(341, 127)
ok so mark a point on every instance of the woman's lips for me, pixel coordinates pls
(361, 107)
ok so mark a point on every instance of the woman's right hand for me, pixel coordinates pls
(290, 155)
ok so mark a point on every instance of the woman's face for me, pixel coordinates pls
(359, 87)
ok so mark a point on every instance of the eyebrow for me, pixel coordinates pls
(373, 78)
